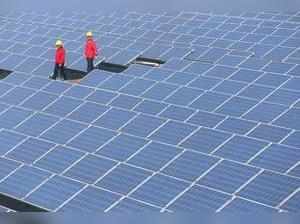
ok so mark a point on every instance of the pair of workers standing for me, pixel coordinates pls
(90, 53)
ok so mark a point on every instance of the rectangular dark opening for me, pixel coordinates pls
(110, 67)
(4, 73)
(17, 205)
(149, 61)
(72, 74)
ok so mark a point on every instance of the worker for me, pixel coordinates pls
(91, 51)
(60, 58)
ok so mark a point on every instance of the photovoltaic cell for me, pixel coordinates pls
(58, 190)
(240, 148)
(122, 147)
(202, 140)
(59, 159)
(228, 176)
(189, 166)
(36, 124)
(123, 179)
(21, 182)
(90, 169)
(199, 198)
(159, 190)
(270, 158)
(7, 167)
(30, 150)
(267, 183)
(242, 205)
(92, 139)
(91, 197)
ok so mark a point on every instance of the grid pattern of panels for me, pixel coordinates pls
(215, 127)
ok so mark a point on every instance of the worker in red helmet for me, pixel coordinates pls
(60, 58)
(91, 51)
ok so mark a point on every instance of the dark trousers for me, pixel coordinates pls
(59, 71)
(90, 64)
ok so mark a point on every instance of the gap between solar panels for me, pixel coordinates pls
(118, 68)
(149, 61)
(111, 67)
(18, 205)
(73, 75)
(4, 73)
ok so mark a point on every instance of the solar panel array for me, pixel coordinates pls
(215, 127)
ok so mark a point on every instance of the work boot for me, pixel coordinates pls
(51, 77)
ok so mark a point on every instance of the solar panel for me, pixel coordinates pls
(214, 126)
(124, 57)
(269, 187)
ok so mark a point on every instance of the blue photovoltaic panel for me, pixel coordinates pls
(57, 190)
(124, 57)
(30, 150)
(16, 95)
(14, 185)
(199, 198)
(202, 140)
(216, 126)
(228, 176)
(241, 148)
(173, 132)
(129, 206)
(63, 106)
(267, 183)
(158, 74)
(92, 139)
(91, 197)
(123, 179)
(36, 124)
(243, 205)
(160, 154)
(122, 147)
(90, 169)
(159, 190)
(88, 112)
(293, 139)
(7, 167)
(59, 159)
(143, 125)
(270, 133)
(292, 204)
(101, 96)
(13, 117)
(270, 159)
(63, 131)
(189, 166)
(39, 101)
(125, 102)
(9, 140)
(150, 107)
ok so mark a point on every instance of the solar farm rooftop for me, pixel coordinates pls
(214, 127)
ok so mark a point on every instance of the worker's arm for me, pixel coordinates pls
(65, 58)
(62, 58)
(95, 49)
(85, 51)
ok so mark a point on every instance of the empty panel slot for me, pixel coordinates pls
(110, 67)
(72, 74)
(149, 61)
(4, 73)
